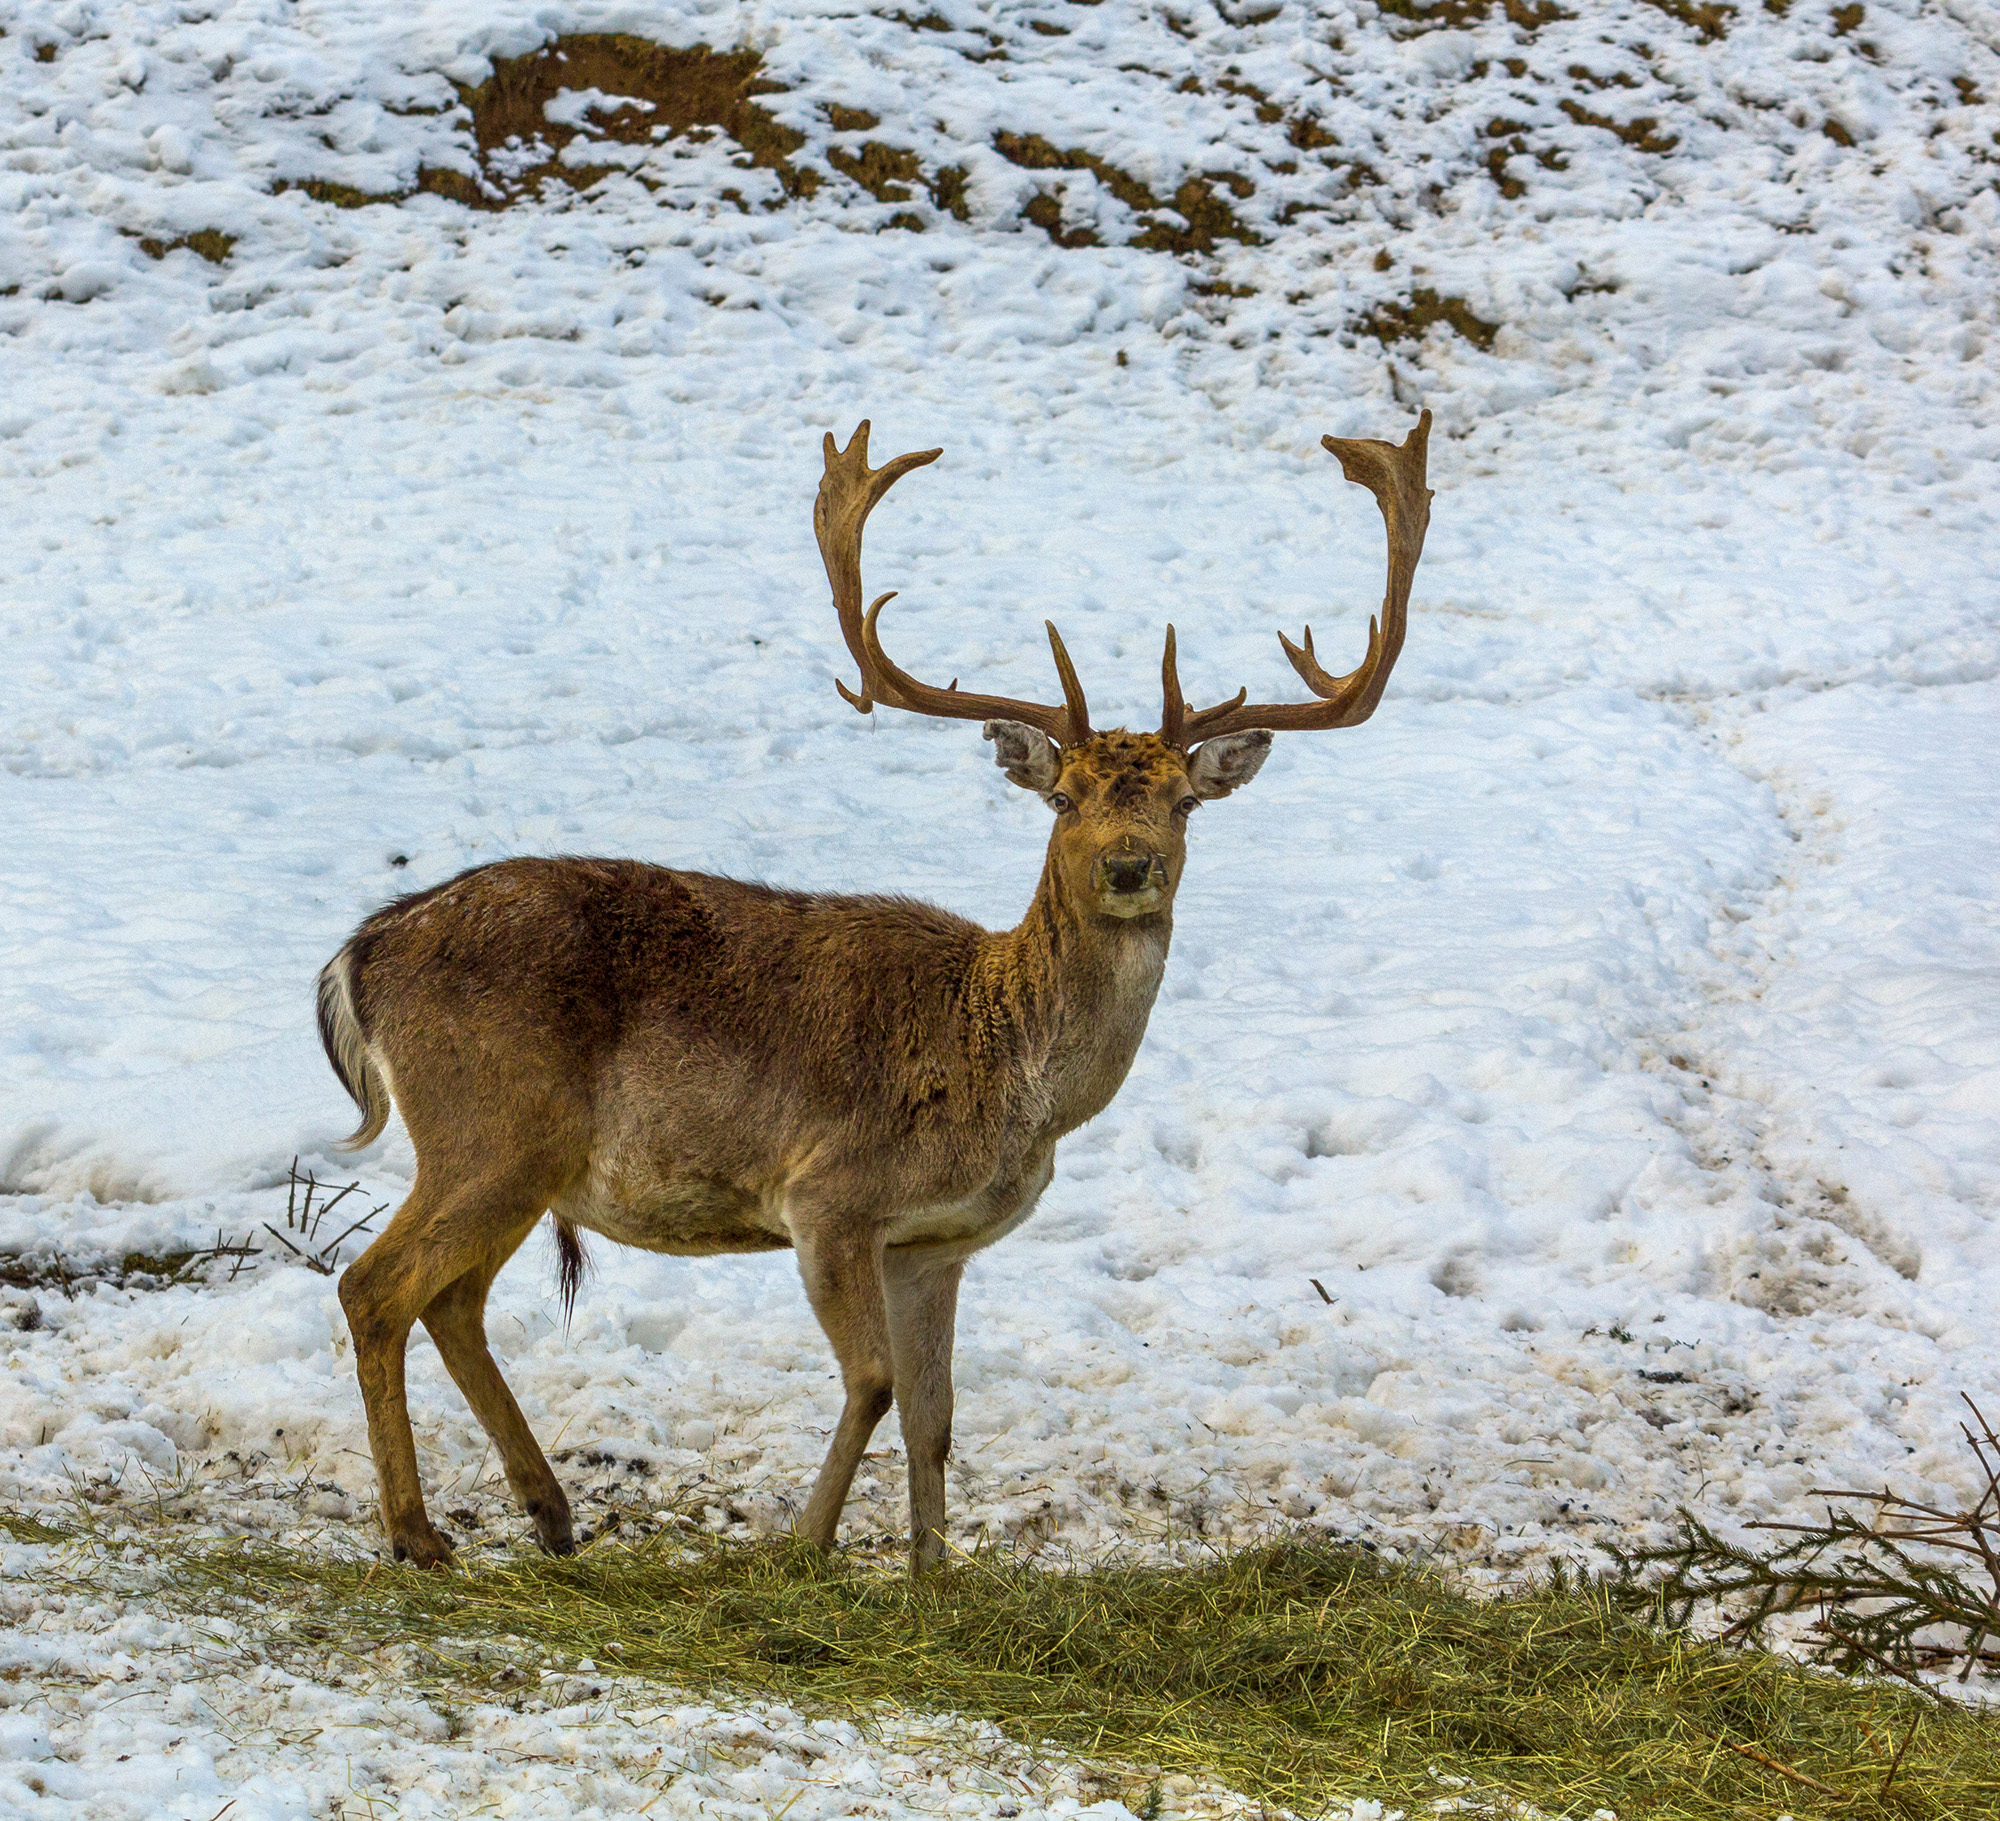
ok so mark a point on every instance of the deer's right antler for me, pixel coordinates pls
(848, 492)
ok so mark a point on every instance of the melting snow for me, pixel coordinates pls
(1611, 1027)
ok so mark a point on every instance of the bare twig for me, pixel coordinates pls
(305, 1258)
(1888, 1668)
(1896, 1763)
(1783, 1769)
(305, 1215)
(327, 1207)
(360, 1226)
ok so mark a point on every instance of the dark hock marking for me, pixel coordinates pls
(552, 1525)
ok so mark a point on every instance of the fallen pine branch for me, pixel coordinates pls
(1885, 1580)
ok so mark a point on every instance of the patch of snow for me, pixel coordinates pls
(1609, 1026)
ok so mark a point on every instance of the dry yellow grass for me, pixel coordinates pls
(1299, 1671)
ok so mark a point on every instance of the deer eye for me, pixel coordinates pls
(1187, 806)
(1059, 803)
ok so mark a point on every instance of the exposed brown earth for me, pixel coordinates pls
(513, 153)
(211, 243)
(672, 93)
(1393, 322)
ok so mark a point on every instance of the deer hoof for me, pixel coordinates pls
(425, 1548)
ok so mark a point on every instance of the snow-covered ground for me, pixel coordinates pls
(1611, 1026)
(97, 1735)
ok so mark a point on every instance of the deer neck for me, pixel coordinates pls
(1080, 987)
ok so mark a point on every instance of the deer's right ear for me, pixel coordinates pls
(1026, 754)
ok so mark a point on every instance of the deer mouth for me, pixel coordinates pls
(1129, 885)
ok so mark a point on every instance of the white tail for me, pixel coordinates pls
(347, 1050)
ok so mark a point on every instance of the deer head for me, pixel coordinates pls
(1122, 800)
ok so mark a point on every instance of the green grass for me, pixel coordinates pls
(1297, 1672)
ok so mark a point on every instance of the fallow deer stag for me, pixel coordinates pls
(697, 1065)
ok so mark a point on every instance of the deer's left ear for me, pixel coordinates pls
(1228, 762)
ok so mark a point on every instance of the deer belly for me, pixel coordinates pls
(978, 1219)
(691, 1217)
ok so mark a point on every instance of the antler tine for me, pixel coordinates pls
(848, 492)
(1174, 720)
(1077, 709)
(1068, 725)
(1395, 474)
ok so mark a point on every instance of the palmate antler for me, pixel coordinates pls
(848, 492)
(1395, 475)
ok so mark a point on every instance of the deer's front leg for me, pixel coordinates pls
(841, 1262)
(923, 1314)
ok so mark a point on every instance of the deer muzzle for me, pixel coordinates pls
(1129, 884)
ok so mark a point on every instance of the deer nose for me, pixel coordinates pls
(1127, 873)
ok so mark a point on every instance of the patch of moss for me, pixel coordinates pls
(1034, 153)
(1708, 19)
(1207, 217)
(671, 92)
(1455, 15)
(340, 195)
(211, 243)
(1393, 322)
(885, 172)
(947, 187)
(1642, 135)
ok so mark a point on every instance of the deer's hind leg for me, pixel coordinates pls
(438, 1235)
(456, 1319)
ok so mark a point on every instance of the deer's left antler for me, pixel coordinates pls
(1395, 475)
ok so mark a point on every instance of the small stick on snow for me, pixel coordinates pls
(305, 1258)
